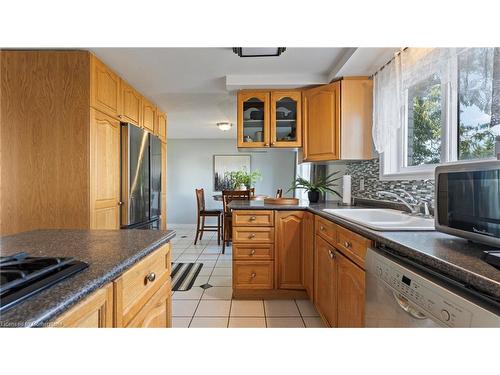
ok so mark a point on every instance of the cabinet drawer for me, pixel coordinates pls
(135, 287)
(326, 229)
(253, 235)
(253, 218)
(253, 252)
(352, 245)
(253, 275)
(156, 313)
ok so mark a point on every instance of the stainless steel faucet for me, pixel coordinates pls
(411, 206)
(414, 205)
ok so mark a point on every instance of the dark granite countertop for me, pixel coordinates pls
(450, 256)
(108, 252)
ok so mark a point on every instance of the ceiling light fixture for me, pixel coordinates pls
(259, 51)
(224, 126)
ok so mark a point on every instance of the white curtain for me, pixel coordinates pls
(408, 68)
(387, 108)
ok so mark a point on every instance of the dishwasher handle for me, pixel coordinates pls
(404, 304)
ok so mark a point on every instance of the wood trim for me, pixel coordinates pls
(259, 294)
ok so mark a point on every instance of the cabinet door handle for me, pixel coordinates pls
(252, 252)
(252, 218)
(273, 143)
(332, 254)
(266, 144)
(120, 203)
(322, 228)
(251, 235)
(150, 277)
(252, 275)
(347, 244)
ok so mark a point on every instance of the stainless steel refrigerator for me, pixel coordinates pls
(141, 178)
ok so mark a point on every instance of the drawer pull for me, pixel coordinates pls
(251, 235)
(150, 277)
(252, 252)
(347, 244)
(252, 218)
(322, 228)
(332, 254)
(253, 275)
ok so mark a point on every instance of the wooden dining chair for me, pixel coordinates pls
(202, 214)
(227, 197)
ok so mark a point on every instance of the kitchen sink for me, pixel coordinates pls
(382, 219)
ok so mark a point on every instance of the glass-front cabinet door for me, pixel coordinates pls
(253, 119)
(286, 118)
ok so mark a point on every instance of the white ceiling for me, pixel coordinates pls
(192, 85)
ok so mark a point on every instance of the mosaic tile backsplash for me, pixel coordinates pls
(369, 170)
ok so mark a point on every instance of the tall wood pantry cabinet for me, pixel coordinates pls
(60, 114)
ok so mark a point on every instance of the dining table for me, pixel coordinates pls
(258, 197)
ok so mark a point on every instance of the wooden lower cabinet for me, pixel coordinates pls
(139, 298)
(339, 283)
(325, 281)
(156, 313)
(350, 293)
(253, 274)
(308, 254)
(289, 227)
(96, 311)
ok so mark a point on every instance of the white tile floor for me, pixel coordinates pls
(214, 307)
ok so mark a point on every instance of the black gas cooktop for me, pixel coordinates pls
(23, 276)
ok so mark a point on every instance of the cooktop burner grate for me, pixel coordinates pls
(22, 276)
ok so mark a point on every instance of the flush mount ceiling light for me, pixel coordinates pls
(259, 51)
(224, 126)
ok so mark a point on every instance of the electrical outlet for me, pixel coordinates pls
(361, 184)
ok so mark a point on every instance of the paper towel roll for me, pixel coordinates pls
(346, 189)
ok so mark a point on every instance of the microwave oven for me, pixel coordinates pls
(468, 201)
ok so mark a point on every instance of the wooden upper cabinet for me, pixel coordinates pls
(96, 311)
(338, 120)
(351, 293)
(105, 171)
(325, 281)
(161, 126)
(148, 115)
(104, 88)
(286, 119)
(253, 119)
(131, 107)
(356, 111)
(289, 249)
(321, 107)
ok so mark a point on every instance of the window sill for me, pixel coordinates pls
(408, 175)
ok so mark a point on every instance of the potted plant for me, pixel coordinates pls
(313, 189)
(242, 180)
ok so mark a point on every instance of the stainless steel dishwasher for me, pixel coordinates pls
(401, 295)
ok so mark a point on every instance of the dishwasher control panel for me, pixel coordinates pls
(417, 290)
